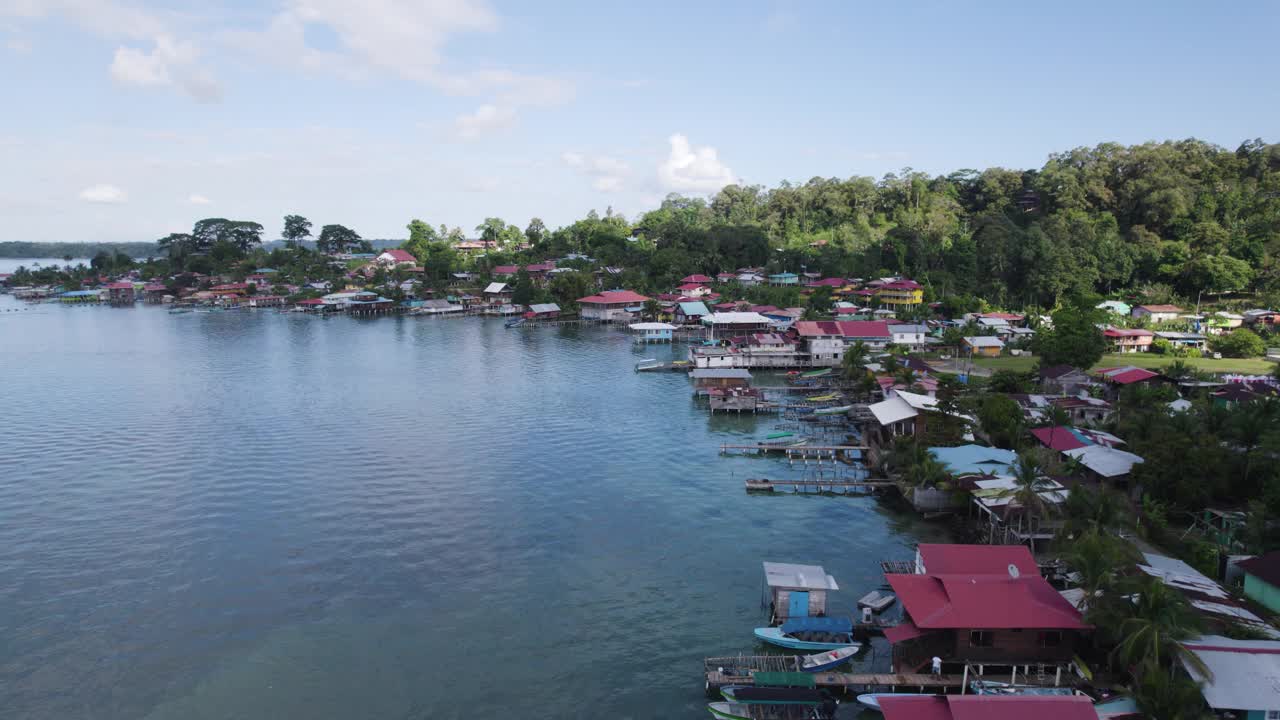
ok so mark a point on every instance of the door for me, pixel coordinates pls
(798, 604)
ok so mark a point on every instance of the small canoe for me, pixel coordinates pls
(820, 662)
(779, 436)
(821, 398)
(872, 700)
(833, 410)
(816, 373)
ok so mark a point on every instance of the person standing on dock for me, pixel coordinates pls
(937, 666)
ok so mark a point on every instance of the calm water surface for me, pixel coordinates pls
(262, 515)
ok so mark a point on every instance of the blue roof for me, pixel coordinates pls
(694, 308)
(818, 624)
(79, 293)
(974, 459)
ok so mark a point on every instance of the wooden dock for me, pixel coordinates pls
(819, 486)
(792, 449)
(853, 682)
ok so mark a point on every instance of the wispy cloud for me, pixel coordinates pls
(607, 174)
(198, 199)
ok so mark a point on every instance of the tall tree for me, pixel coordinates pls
(1074, 339)
(536, 231)
(296, 229)
(337, 239)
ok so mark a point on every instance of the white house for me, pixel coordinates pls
(1157, 313)
(911, 336)
(396, 258)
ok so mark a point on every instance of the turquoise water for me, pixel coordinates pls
(262, 515)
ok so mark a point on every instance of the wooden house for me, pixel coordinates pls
(984, 345)
(797, 590)
(707, 378)
(497, 293)
(612, 306)
(652, 332)
(542, 311)
(983, 605)
(120, 293)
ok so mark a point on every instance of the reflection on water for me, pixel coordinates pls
(262, 515)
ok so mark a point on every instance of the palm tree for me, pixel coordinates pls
(1169, 695)
(1154, 619)
(1096, 558)
(855, 356)
(1029, 483)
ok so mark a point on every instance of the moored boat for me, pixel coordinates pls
(826, 660)
(839, 410)
(745, 711)
(752, 695)
(810, 633)
(872, 700)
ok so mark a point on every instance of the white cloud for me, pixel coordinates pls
(693, 169)
(169, 63)
(607, 174)
(198, 199)
(485, 120)
(103, 193)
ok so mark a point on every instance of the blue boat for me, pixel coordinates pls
(810, 633)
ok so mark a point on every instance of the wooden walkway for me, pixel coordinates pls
(854, 681)
(818, 486)
(793, 449)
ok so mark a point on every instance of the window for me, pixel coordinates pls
(981, 638)
(1273, 715)
(1051, 639)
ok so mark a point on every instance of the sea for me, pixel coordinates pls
(273, 515)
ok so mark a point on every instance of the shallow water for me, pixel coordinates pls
(263, 515)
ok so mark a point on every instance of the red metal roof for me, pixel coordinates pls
(699, 278)
(120, 286)
(902, 632)
(506, 270)
(1058, 438)
(401, 255)
(828, 282)
(614, 297)
(987, 707)
(1127, 332)
(1129, 376)
(843, 328)
(1001, 316)
(311, 301)
(687, 287)
(939, 559)
(961, 602)
(1160, 308)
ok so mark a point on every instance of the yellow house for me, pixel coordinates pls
(900, 292)
(984, 346)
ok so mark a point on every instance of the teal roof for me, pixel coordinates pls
(784, 275)
(80, 293)
(974, 459)
(694, 308)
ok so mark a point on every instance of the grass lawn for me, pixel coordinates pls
(1248, 366)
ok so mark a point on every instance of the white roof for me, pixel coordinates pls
(917, 401)
(908, 329)
(651, 326)
(984, 341)
(544, 307)
(496, 287)
(1246, 673)
(801, 577)
(735, 318)
(993, 322)
(1003, 495)
(895, 409)
(1106, 461)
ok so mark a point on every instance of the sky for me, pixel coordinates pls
(125, 121)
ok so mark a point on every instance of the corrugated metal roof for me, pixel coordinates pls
(1106, 461)
(895, 409)
(1246, 673)
(987, 707)
(544, 307)
(800, 577)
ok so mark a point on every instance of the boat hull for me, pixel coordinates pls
(774, 636)
(822, 662)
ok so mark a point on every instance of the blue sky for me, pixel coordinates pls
(128, 120)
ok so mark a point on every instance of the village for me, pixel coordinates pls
(963, 420)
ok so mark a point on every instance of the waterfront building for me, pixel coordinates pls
(797, 590)
(707, 378)
(732, 324)
(652, 332)
(612, 306)
(497, 293)
(78, 296)
(120, 293)
(542, 311)
(984, 606)
(987, 707)
(826, 340)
